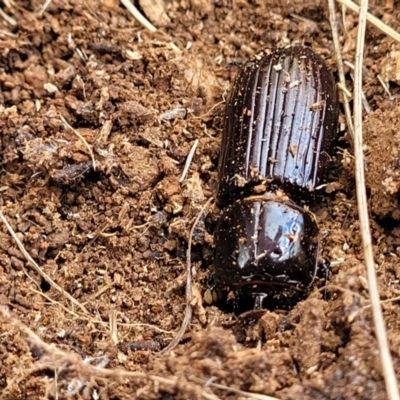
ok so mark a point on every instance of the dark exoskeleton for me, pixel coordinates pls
(280, 122)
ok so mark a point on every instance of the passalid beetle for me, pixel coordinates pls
(280, 122)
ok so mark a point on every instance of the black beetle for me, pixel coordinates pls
(280, 122)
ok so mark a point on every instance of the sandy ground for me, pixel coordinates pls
(112, 234)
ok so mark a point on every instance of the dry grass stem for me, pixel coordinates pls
(140, 325)
(80, 80)
(213, 107)
(113, 327)
(101, 291)
(52, 301)
(387, 301)
(44, 7)
(385, 88)
(303, 19)
(339, 60)
(8, 34)
(387, 364)
(37, 268)
(8, 3)
(373, 20)
(364, 99)
(368, 306)
(89, 148)
(189, 160)
(332, 286)
(248, 395)
(189, 307)
(138, 16)
(7, 18)
(347, 93)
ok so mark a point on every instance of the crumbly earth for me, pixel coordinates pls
(111, 226)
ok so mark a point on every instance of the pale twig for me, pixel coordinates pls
(138, 16)
(339, 60)
(385, 88)
(348, 94)
(89, 148)
(373, 20)
(387, 301)
(37, 268)
(101, 291)
(67, 310)
(364, 97)
(57, 359)
(44, 7)
(113, 327)
(6, 33)
(189, 160)
(386, 359)
(249, 395)
(212, 108)
(368, 306)
(9, 19)
(189, 307)
(303, 19)
(140, 325)
(332, 286)
(80, 80)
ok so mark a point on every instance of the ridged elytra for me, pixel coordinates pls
(280, 121)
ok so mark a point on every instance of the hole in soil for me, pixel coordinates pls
(94, 176)
(167, 396)
(387, 223)
(45, 286)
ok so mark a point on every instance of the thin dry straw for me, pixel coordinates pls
(44, 7)
(248, 395)
(89, 148)
(189, 308)
(387, 364)
(9, 19)
(189, 160)
(385, 88)
(138, 16)
(373, 20)
(342, 80)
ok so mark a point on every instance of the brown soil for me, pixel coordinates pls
(114, 234)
